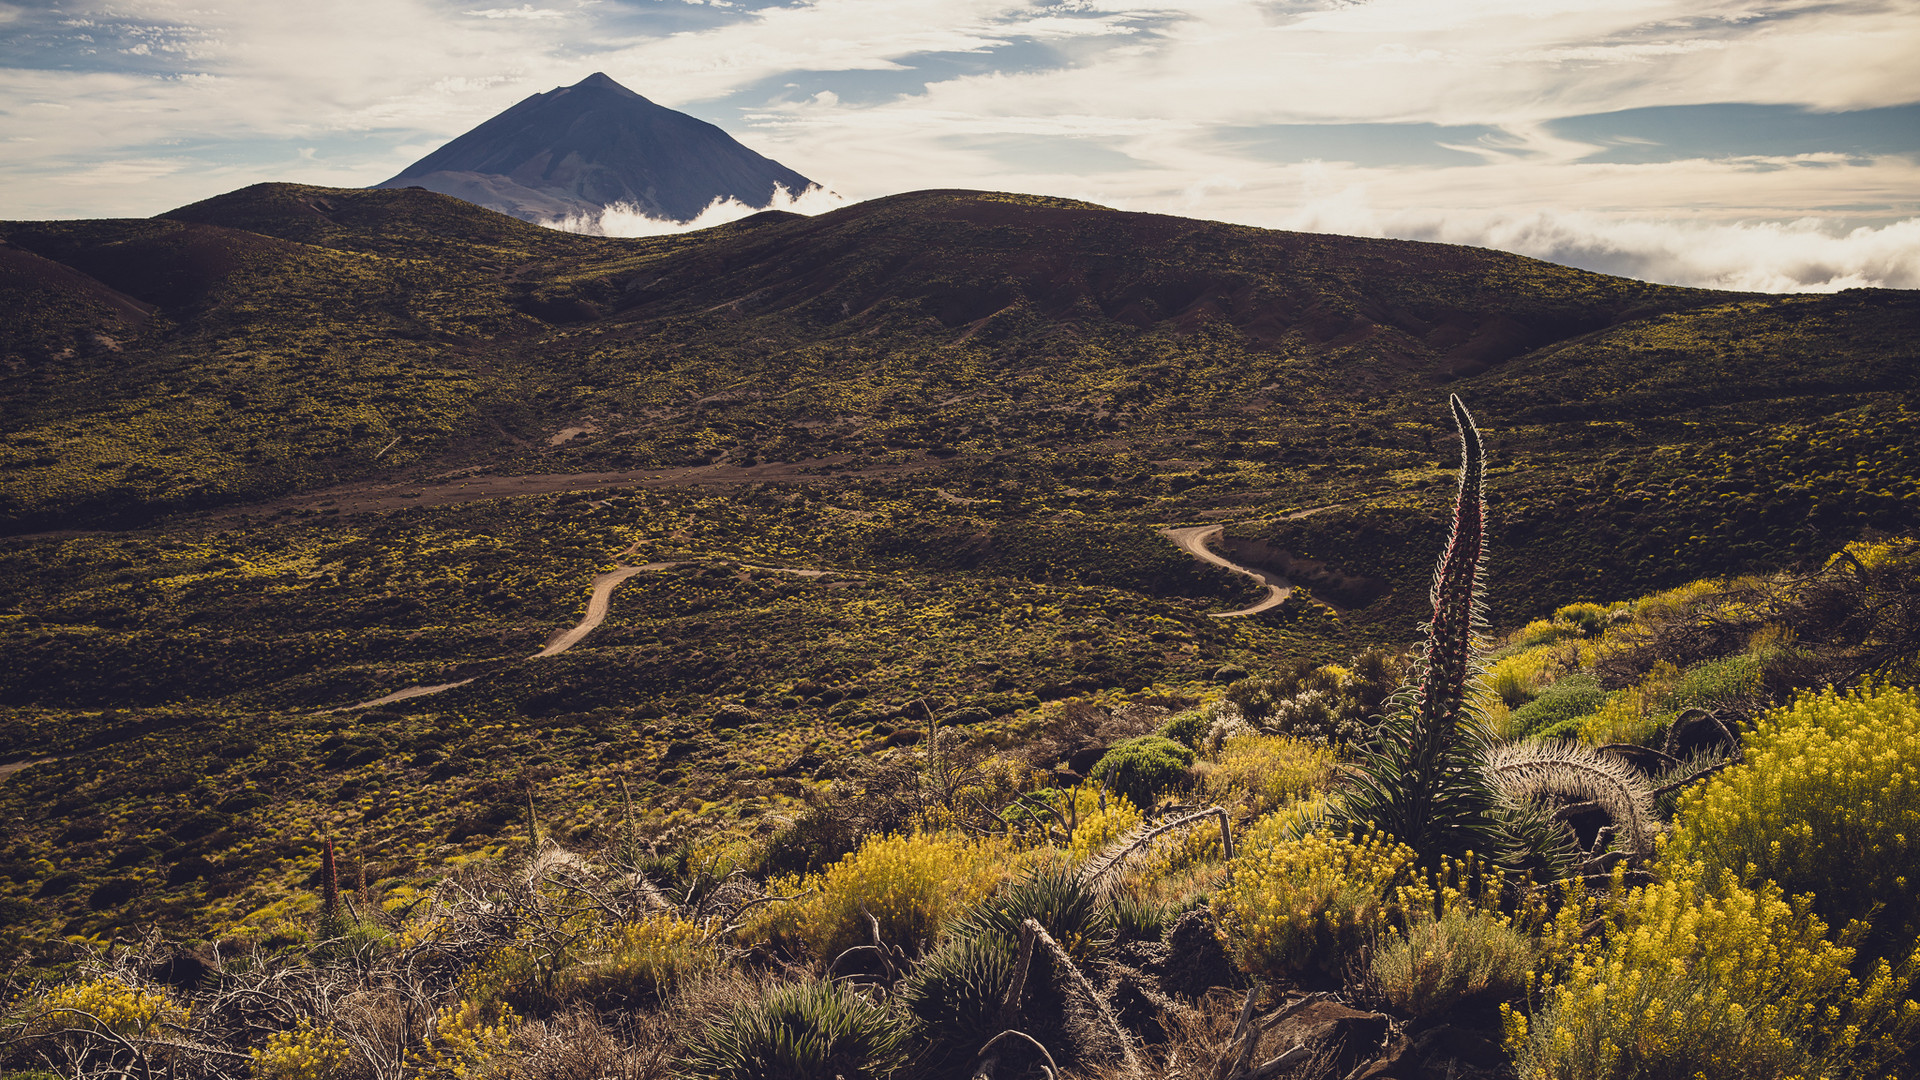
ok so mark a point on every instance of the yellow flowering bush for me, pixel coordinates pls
(1723, 981)
(108, 1004)
(1100, 817)
(1299, 903)
(1263, 773)
(470, 1041)
(1827, 802)
(640, 959)
(304, 1053)
(1515, 680)
(912, 885)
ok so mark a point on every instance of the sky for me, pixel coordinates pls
(1768, 145)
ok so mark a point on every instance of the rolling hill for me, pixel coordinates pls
(272, 457)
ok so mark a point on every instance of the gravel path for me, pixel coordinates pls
(1193, 541)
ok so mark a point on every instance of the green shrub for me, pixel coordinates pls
(1140, 768)
(1436, 965)
(800, 1031)
(1568, 699)
(1733, 680)
(1186, 728)
(1139, 918)
(1827, 802)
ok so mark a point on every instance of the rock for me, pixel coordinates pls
(1084, 759)
(1349, 1038)
(1195, 962)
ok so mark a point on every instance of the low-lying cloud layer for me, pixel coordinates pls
(625, 219)
(1763, 144)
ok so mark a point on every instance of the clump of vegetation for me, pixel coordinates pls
(1825, 804)
(808, 1031)
(1258, 774)
(1140, 769)
(1436, 965)
(1301, 904)
(1701, 974)
(909, 886)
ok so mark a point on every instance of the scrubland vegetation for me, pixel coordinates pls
(917, 751)
(1661, 837)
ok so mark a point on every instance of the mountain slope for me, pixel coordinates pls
(1137, 365)
(576, 150)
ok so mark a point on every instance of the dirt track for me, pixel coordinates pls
(1193, 541)
(603, 587)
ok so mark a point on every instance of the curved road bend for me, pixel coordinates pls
(603, 587)
(1193, 541)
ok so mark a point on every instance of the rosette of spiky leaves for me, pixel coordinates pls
(800, 1031)
(1421, 779)
(1526, 775)
(1070, 907)
(957, 995)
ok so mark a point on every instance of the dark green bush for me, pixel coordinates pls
(1141, 768)
(1186, 728)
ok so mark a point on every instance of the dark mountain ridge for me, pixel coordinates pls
(576, 150)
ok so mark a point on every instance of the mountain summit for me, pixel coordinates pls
(582, 148)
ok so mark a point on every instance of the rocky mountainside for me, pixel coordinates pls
(576, 150)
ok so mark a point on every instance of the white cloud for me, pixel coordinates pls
(624, 219)
(1144, 90)
(1770, 256)
(524, 11)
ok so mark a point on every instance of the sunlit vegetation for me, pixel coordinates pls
(913, 729)
(1762, 937)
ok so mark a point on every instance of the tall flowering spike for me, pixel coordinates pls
(1421, 781)
(1457, 585)
(330, 882)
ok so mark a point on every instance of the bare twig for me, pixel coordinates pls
(985, 1070)
(1128, 1058)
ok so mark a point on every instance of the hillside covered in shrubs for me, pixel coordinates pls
(1668, 836)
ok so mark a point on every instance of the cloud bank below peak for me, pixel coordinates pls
(1755, 144)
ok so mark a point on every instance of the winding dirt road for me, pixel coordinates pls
(603, 587)
(1193, 541)
(12, 767)
(597, 604)
(402, 695)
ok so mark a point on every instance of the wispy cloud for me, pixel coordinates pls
(524, 11)
(1440, 120)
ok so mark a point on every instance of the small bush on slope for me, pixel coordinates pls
(1436, 965)
(1139, 769)
(1258, 774)
(1298, 905)
(911, 884)
(803, 1031)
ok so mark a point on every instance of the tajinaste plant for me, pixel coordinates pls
(1421, 779)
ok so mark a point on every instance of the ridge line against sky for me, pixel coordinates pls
(1763, 145)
